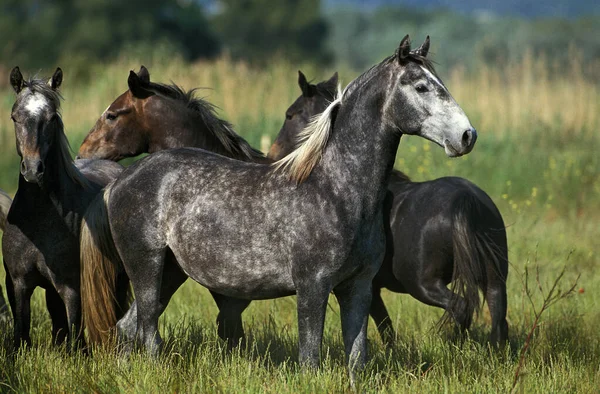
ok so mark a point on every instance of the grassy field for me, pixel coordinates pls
(537, 156)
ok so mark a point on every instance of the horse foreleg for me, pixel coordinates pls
(311, 304)
(229, 319)
(355, 301)
(72, 302)
(381, 317)
(20, 303)
(58, 314)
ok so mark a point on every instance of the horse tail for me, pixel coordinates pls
(473, 249)
(100, 266)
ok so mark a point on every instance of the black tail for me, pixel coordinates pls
(474, 252)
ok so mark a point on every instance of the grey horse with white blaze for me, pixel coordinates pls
(217, 218)
(40, 245)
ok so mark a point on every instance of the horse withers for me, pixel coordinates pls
(41, 240)
(217, 219)
(438, 232)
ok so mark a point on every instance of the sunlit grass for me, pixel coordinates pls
(537, 157)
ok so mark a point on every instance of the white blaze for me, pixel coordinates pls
(36, 103)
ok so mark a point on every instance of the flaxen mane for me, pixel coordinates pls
(310, 144)
(220, 128)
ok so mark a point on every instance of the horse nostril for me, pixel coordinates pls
(466, 137)
(469, 137)
(40, 168)
(23, 167)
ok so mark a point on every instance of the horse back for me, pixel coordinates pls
(262, 228)
(420, 227)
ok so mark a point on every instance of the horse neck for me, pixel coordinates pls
(64, 192)
(187, 128)
(360, 153)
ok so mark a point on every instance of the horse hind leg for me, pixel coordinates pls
(497, 304)
(145, 271)
(381, 317)
(172, 279)
(435, 293)
(58, 315)
(229, 319)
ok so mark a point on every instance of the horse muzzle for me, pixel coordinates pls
(32, 170)
(462, 146)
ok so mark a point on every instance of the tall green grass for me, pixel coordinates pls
(536, 156)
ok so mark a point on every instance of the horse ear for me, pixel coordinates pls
(423, 49)
(404, 48)
(333, 81)
(303, 83)
(56, 79)
(331, 84)
(144, 75)
(136, 85)
(16, 79)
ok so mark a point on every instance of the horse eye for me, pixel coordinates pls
(421, 88)
(289, 116)
(111, 116)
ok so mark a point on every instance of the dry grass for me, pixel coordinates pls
(537, 156)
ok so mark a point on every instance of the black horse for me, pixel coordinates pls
(41, 240)
(310, 224)
(439, 232)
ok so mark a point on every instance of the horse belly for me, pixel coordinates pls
(235, 270)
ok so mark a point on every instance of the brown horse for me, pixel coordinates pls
(150, 117)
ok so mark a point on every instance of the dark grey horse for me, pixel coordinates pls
(309, 225)
(440, 231)
(41, 241)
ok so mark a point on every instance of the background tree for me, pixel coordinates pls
(258, 29)
(37, 33)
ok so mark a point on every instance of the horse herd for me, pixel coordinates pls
(323, 212)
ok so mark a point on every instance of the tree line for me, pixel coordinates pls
(38, 33)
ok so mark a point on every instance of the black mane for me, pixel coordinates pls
(39, 85)
(220, 128)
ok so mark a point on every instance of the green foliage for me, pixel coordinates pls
(36, 33)
(257, 30)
